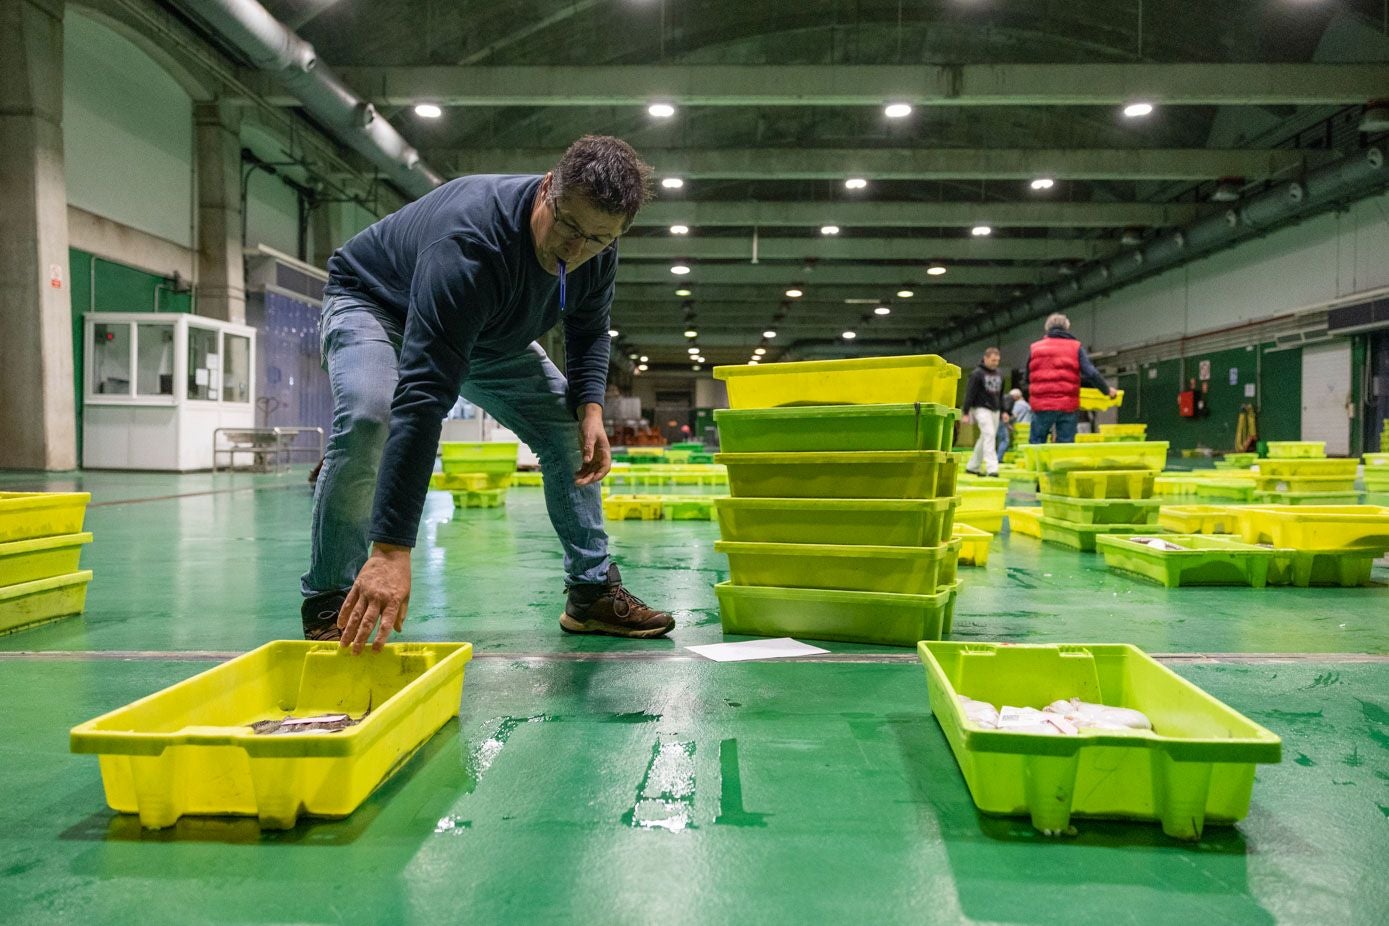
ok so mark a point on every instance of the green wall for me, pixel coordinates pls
(1277, 376)
(100, 285)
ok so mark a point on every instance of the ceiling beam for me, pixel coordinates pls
(916, 214)
(841, 248)
(1187, 84)
(836, 275)
(912, 163)
(772, 294)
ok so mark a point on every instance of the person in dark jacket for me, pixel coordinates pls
(983, 404)
(447, 297)
(1057, 366)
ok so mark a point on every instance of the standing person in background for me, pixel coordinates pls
(1057, 366)
(1019, 411)
(984, 404)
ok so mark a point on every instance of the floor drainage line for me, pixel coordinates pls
(838, 658)
(165, 498)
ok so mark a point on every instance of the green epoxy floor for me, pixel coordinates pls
(622, 782)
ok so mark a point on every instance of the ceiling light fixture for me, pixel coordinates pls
(935, 270)
(680, 229)
(613, 332)
(848, 335)
(691, 333)
(696, 367)
(680, 269)
(644, 358)
(672, 183)
(683, 292)
(794, 294)
(769, 335)
(643, 367)
(1135, 110)
(905, 294)
(759, 351)
(428, 110)
(855, 183)
(692, 351)
(829, 229)
(1043, 183)
(882, 310)
(981, 231)
(752, 363)
(897, 110)
(661, 110)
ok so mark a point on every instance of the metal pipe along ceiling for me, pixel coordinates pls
(1350, 177)
(273, 47)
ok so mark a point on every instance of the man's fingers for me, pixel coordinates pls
(363, 634)
(388, 623)
(354, 618)
(348, 604)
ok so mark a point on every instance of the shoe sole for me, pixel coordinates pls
(571, 625)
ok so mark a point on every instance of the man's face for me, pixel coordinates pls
(573, 230)
(991, 360)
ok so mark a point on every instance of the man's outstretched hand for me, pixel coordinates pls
(593, 446)
(380, 594)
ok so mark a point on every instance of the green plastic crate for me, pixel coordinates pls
(1108, 511)
(1207, 560)
(1200, 519)
(832, 428)
(689, 509)
(1115, 483)
(889, 522)
(869, 474)
(1307, 498)
(1059, 458)
(1196, 768)
(842, 567)
(847, 617)
(1082, 536)
(1295, 449)
(687, 445)
(1306, 568)
(40, 557)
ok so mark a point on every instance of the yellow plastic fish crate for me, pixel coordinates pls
(480, 498)
(842, 567)
(1125, 431)
(1102, 483)
(1314, 527)
(190, 749)
(1195, 767)
(974, 545)
(461, 482)
(1295, 449)
(848, 617)
(1025, 521)
(1311, 468)
(865, 474)
(1304, 484)
(922, 378)
(42, 600)
(1060, 458)
(1199, 519)
(25, 515)
(633, 508)
(527, 478)
(40, 558)
(1092, 400)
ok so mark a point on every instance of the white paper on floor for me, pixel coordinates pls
(779, 648)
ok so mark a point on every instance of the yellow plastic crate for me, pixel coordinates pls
(1195, 767)
(841, 567)
(528, 478)
(1310, 468)
(189, 749)
(1137, 431)
(40, 558)
(1092, 400)
(25, 515)
(464, 482)
(1060, 458)
(1088, 438)
(863, 381)
(976, 498)
(633, 508)
(866, 474)
(30, 603)
(1102, 483)
(480, 498)
(974, 545)
(1295, 449)
(1376, 460)
(1313, 527)
(1199, 519)
(1300, 484)
(849, 617)
(477, 451)
(1025, 521)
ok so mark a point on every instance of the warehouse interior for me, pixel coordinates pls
(1201, 189)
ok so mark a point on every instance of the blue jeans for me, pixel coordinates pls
(525, 393)
(1005, 439)
(1043, 422)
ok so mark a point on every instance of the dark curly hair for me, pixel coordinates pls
(607, 172)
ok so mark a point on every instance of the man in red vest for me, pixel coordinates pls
(1057, 366)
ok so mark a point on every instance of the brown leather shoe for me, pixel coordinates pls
(612, 610)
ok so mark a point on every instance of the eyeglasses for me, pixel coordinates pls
(571, 231)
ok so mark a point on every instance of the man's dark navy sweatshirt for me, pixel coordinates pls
(458, 267)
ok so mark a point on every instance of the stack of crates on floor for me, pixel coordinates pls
(1318, 545)
(1022, 433)
(41, 541)
(843, 499)
(1093, 489)
(1299, 473)
(1377, 472)
(477, 474)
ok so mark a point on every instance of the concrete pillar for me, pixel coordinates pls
(38, 427)
(221, 283)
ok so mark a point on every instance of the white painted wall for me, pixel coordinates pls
(127, 133)
(1324, 258)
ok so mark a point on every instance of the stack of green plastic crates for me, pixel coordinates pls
(477, 473)
(1097, 488)
(842, 500)
(41, 541)
(1377, 472)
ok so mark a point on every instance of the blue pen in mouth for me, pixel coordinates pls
(563, 275)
